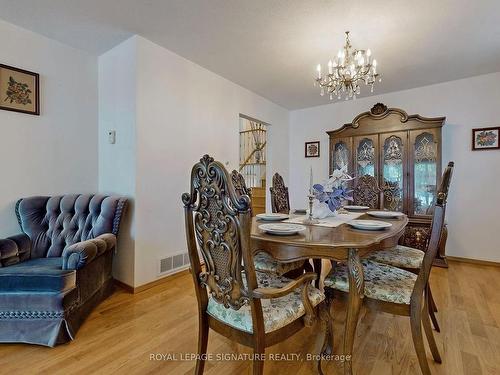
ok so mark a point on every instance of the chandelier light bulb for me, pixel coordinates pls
(374, 63)
(318, 68)
(368, 52)
(330, 67)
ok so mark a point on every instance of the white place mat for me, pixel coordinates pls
(330, 222)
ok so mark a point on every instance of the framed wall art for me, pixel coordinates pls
(19, 90)
(312, 149)
(485, 138)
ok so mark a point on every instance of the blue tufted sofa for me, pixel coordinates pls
(55, 272)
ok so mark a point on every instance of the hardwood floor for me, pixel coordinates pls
(122, 333)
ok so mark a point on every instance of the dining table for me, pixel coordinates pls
(341, 243)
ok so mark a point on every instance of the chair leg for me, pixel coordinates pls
(202, 343)
(329, 316)
(432, 309)
(432, 302)
(426, 322)
(258, 359)
(418, 340)
(317, 269)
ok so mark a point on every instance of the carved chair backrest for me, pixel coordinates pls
(435, 235)
(240, 186)
(367, 192)
(280, 201)
(218, 223)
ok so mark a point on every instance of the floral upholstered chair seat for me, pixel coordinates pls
(266, 263)
(277, 312)
(399, 256)
(382, 282)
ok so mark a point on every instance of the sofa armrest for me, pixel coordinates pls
(14, 249)
(82, 253)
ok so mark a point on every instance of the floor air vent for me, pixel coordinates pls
(173, 263)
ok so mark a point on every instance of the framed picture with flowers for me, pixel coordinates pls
(312, 149)
(19, 90)
(486, 139)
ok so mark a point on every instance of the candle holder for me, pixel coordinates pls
(310, 220)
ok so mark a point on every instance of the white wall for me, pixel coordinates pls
(181, 111)
(117, 162)
(56, 152)
(474, 205)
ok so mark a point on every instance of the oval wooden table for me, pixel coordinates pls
(342, 244)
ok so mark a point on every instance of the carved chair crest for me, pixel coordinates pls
(239, 184)
(280, 201)
(367, 192)
(216, 210)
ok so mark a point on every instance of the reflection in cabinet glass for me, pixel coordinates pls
(425, 174)
(393, 173)
(365, 158)
(340, 156)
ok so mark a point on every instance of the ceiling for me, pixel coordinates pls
(273, 46)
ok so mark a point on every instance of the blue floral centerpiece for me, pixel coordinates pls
(331, 194)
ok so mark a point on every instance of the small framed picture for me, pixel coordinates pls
(19, 90)
(312, 149)
(485, 139)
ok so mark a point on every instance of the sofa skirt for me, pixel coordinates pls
(50, 319)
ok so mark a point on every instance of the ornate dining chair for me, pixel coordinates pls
(280, 201)
(235, 300)
(367, 192)
(263, 261)
(411, 260)
(397, 291)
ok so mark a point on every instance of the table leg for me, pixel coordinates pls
(355, 300)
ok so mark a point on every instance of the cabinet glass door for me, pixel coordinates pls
(393, 149)
(425, 170)
(366, 160)
(341, 155)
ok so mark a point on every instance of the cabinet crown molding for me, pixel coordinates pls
(394, 119)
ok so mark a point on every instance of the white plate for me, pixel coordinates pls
(369, 224)
(282, 229)
(272, 217)
(385, 214)
(357, 208)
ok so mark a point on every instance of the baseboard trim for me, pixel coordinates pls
(473, 261)
(124, 286)
(142, 288)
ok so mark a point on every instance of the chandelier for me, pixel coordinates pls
(347, 72)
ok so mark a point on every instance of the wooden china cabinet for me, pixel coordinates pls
(404, 154)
